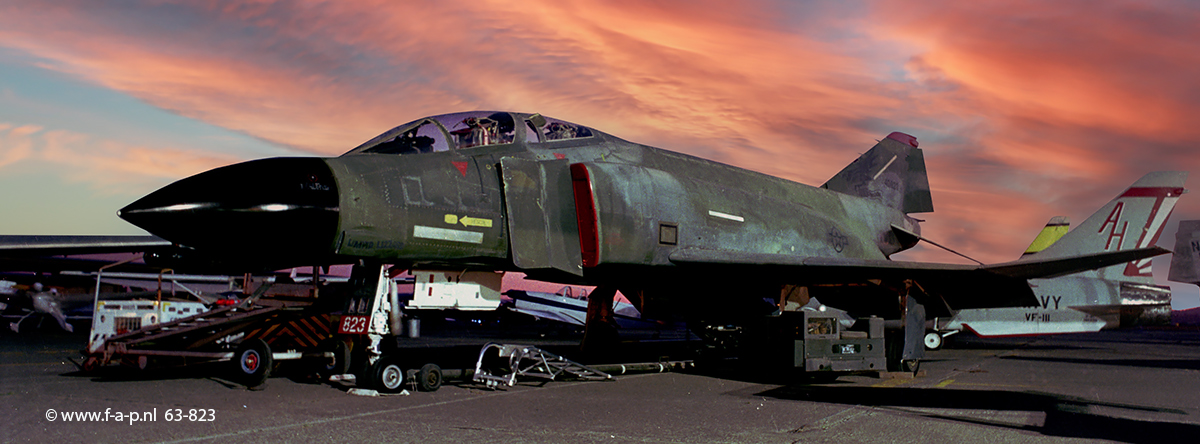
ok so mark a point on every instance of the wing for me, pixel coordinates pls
(57, 245)
(45, 253)
(948, 286)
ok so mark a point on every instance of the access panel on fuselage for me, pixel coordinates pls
(540, 207)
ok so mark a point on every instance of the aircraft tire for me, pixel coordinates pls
(429, 378)
(933, 340)
(253, 362)
(389, 375)
(339, 365)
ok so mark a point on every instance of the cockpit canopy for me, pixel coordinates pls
(468, 130)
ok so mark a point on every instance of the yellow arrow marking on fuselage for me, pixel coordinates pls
(468, 221)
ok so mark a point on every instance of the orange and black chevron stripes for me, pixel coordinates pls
(305, 332)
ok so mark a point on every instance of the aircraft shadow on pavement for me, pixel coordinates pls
(117, 373)
(1066, 416)
(217, 372)
(1180, 364)
(1081, 341)
(985, 344)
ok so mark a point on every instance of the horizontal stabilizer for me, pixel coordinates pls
(958, 286)
(1033, 267)
(955, 286)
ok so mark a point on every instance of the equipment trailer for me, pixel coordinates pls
(358, 338)
(254, 334)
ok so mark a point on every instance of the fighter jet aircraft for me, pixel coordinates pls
(562, 202)
(1121, 295)
(566, 203)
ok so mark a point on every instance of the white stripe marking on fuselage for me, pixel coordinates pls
(447, 234)
(726, 216)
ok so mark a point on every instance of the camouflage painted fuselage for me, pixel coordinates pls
(516, 192)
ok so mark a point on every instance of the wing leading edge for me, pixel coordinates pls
(13, 245)
(53, 253)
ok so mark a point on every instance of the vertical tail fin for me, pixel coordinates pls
(1134, 219)
(1185, 263)
(1054, 230)
(892, 172)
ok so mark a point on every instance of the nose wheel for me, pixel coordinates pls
(389, 375)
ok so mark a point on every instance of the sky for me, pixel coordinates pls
(1024, 109)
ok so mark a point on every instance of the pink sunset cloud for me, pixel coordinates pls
(15, 143)
(110, 166)
(1069, 103)
(639, 72)
(1122, 66)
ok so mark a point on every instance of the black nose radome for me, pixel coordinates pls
(269, 207)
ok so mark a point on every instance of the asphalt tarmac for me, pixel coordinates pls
(1123, 386)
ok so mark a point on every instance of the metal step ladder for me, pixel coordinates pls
(526, 360)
